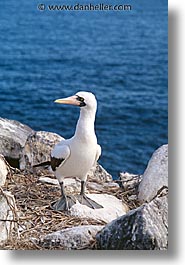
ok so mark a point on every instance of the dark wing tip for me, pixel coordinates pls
(55, 162)
(46, 163)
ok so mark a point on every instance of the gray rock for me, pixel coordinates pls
(13, 136)
(79, 237)
(145, 228)
(155, 176)
(4, 170)
(37, 148)
(99, 174)
(7, 215)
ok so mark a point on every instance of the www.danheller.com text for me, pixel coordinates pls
(84, 7)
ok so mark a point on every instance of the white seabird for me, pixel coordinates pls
(74, 157)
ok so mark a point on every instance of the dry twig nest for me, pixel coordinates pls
(34, 218)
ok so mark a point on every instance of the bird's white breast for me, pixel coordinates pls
(81, 159)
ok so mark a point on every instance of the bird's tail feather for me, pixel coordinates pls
(46, 163)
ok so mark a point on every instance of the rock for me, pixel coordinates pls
(94, 187)
(129, 181)
(4, 170)
(144, 228)
(111, 185)
(71, 185)
(112, 208)
(48, 180)
(37, 148)
(99, 174)
(13, 136)
(7, 215)
(79, 237)
(155, 176)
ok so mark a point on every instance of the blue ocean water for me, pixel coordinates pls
(121, 56)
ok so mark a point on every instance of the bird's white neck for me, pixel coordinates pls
(85, 125)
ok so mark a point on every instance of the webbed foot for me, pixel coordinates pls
(64, 203)
(83, 199)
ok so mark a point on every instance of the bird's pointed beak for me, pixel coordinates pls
(70, 100)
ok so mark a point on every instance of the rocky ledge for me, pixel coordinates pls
(134, 213)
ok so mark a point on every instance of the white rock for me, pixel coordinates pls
(48, 180)
(155, 176)
(94, 186)
(79, 237)
(111, 185)
(71, 185)
(6, 214)
(112, 208)
(4, 170)
(99, 187)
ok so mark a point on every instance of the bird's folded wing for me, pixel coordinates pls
(98, 153)
(59, 156)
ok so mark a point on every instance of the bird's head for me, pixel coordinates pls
(85, 100)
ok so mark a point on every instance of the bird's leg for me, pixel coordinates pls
(65, 202)
(82, 192)
(62, 188)
(83, 199)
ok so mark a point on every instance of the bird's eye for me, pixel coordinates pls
(80, 98)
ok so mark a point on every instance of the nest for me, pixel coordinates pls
(34, 218)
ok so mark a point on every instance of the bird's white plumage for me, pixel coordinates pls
(80, 152)
(61, 150)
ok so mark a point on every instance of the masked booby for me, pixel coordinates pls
(74, 157)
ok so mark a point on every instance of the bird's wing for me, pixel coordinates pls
(98, 153)
(59, 156)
